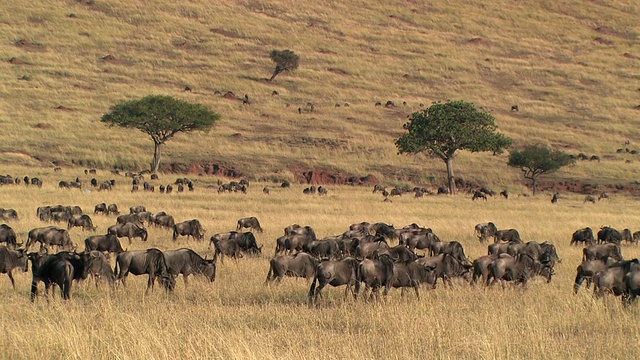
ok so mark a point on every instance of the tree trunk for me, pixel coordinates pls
(275, 72)
(155, 163)
(534, 179)
(452, 184)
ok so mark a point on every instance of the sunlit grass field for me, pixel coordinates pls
(238, 317)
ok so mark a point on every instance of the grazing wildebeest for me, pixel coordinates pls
(8, 214)
(137, 209)
(129, 218)
(518, 269)
(265, 190)
(188, 228)
(322, 249)
(370, 249)
(375, 273)
(334, 273)
(100, 268)
(348, 245)
(164, 221)
(150, 261)
(421, 241)
(603, 196)
(410, 274)
(49, 235)
(508, 235)
(611, 280)
(186, 262)
(108, 243)
(601, 251)
(481, 268)
(112, 209)
(381, 229)
(299, 265)
(497, 249)
(478, 195)
(445, 267)
(505, 193)
(636, 237)
(452, 248)
(584, 235)
(11, 259)
(322, 191)
(226, 247)
(485, 231)
(7, 235)
(51, 270)
(83, 221)
(378, 187)
(588, 269)
(608, 234)
(626, 236)
(590, 198)
(100, 209)
(249, 222)
(400, 253)
(130, 230)
(296, 242)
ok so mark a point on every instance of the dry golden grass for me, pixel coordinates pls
(563, 64)
(238, 317)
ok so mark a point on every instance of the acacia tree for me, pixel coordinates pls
(161, 117)
(535, 160)
(286, 60)
(444, 128)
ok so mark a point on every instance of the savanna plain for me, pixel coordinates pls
(571, 66)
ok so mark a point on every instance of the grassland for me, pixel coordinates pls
(572, 67)
(238, 317)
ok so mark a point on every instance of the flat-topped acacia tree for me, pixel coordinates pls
(444, 128)
(286, 60)
(536, 160)
(161, 117)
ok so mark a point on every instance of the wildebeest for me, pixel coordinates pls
(108, 243)
(371, 248)
(478, 195)
(508, 235)
(481, 268)
(601, 251)
(334, 273)
(299, 265)
(226, 246)
(137, 209)
(611, 280)
(421, 241)
(8, 214)
(588, 269)
(445, 267)
(83, 221)
(554, 198)
(378, 187)
(375, 273)
(50, 270)
(129, 218)
(100, 209)
(186, 262)
(322, 249)
(485, 231)
(129, 230)
(603, 196)
(112, 209)
(8, 236)
(100, 269)
(164, 221)
(188, 228)
(590, 198)
(150, 261)
(608, 234)
(518, 269)
(626, 236)
(584, 235)
(452, 248)
(410, 274)
(249, 222)
(11, 259)
(48, 236)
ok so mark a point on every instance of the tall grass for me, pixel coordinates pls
(237, 316)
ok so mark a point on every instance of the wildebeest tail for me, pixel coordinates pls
(312, 289)
(175, 232)
(217, 251)
(66, 284)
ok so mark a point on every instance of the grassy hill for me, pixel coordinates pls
(572, 67)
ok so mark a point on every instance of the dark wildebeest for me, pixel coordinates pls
(601, 251)
(100, 268)
(410, 274)
(129, 218)
(632, 286)
(51, 270)
(83, 221)
(478, 195)
(608, 234)
(378, 187)
(518, 269)
(164, 221)
(299, 265)
(485, 231)
(421, 241)
(8, 214)
(400, 253)
(445, 267)
(381, 229)
(362, 227)
(7, 235)
(100, 209)
(150, 261)
(129, 230)
(49, 235)
(137, 209)
(626, 236)
(481, 268)
(603, 196)
(497, 249)
(588, 269)
(296, 229)
(108, 243)
(112, 209)
(249, 222)
(322, 249)
(636, 237)
(145, 216)
(375, 273)
(247, 243)
(612, 281)
(452, 248)
(508, 235)
(334, 273)
(589, 198)
(348, 246)
(188, 228)
(584, 235)
(226, 246)
(370, 249)
(186, 262)
(11, 259)
(296, 243)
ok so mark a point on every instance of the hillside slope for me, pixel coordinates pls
(572, 67)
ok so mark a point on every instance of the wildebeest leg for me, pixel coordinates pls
(415, 288)
(129, 237)
(13, 283)
(34, 290)
(402, 292)
(150, 282)
(578, 282)
(184, 277)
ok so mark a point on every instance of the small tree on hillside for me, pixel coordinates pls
(444, 128)
(161, 117)
(286, 60)
(535, 160)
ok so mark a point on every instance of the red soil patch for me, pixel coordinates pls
(15, 61)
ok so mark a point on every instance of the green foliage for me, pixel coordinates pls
(286, 60)
(160, 116)
(535, 160)
(444, 128)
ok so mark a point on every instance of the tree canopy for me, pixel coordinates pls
(444, 128)
(286, 60)
(161, 117)
(535, 160)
